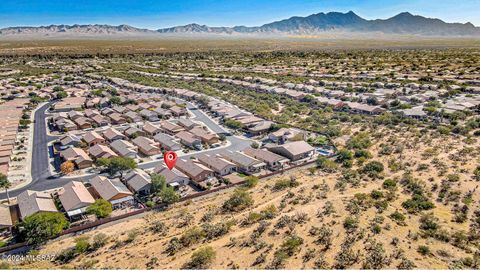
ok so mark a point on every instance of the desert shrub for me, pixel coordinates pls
(267, 213)
(192, 236)
(350, 223)
(389, 184)
(212, 231)
(82, 244)
(417, 203)
(323, 235)
(159, 227)
(202, 258)
(209, 214)
(291, 245)
(173, 246)
(282, 184)
(424, 250)
(359, 141)
(239, 201)
(398, 217)
(326, 164)
(376, 257)
(251, 181)
(406, 264)
(99, 240)
(344, 157)
(373, 168)
(66, 255)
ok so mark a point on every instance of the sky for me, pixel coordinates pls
(160, 14)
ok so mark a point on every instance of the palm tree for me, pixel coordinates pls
(4, 183)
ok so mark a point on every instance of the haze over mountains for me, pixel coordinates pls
(401, 24)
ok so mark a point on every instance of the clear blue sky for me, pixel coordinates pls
(158, 14)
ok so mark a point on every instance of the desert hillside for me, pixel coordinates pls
(420, 211)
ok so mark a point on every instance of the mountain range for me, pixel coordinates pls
(401, 24)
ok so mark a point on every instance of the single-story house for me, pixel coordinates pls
(117, 118)
(70, 140)
(173, 177)
(151, 130)
(293, 150)
(190, 140)
(245, 164)
(82, 122)
(196, 171)
(284, 134)
(124, 148)
(75, 198)
(133, 117)
(138, 181)
(113, 134)
(100, 120)
(274, 162)
(167, 142)
(186, 123)
(93, 138)
(31, 202)
(204, 135)
(218, 164)
(77, 156)
(101, 151)
(112, 190)
(74, 115)
(178, 111)
(163, 113)
(89, 113)
(149, 115)
(5, 217)
(146, 146)
(131, 131)
(170, 128)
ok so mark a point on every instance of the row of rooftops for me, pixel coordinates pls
(11, 113)
(410, 91)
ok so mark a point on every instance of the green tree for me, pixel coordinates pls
(100, 208)
(42, 226)
(4, 183)
(117, 165)
(165, 193)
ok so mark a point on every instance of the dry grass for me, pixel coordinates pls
(161, 45)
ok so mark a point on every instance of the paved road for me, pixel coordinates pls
(40, 158)
(40, 155)
(40, 140)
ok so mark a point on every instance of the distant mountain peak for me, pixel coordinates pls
(403, 23)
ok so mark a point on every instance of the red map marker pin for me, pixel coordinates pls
(170, 159)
